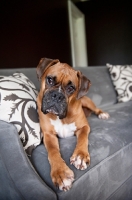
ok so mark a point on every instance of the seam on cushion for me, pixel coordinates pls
(119, 188)
(31, 168)
(5, 164)
(39, 177)
(12, 179)
(103, 161)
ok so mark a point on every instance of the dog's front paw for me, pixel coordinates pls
(103, 115)
(80, 160)
(62, 177)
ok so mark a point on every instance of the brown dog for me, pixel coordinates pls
(62, 106)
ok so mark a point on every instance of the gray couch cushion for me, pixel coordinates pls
(29, 72)
(102, 91)
(6, 182)
(110, 147)
(18, 176)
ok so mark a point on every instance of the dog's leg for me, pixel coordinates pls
(61, 174)
(81, 158)
(88, 103)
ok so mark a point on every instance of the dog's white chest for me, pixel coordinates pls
(63, 130)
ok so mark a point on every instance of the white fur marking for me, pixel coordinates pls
(67, 183)
(63, 130)
(78, 163)
(103, 115)
(59, 89)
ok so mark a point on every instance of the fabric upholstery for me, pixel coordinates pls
(18, 176)
(110, 148)
(5, 182)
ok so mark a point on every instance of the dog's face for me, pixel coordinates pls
(60, 85)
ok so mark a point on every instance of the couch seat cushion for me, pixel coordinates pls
(110, 146)
(18, 179)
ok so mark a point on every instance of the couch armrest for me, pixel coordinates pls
(17, 172)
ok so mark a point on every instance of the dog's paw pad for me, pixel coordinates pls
(103, 115)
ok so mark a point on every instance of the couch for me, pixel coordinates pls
(109, 175)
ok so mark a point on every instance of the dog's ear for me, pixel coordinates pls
(84, 84)
(43, 65)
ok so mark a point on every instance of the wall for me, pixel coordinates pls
(33, 29)
(108, 30)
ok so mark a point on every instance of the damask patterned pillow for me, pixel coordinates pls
(18, 106)
(121, 76)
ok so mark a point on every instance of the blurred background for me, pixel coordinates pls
(32, 29)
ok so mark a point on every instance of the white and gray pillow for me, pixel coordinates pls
(18, 106)
(121, 76)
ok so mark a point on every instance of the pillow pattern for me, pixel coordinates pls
(18, 106)
(121, 76)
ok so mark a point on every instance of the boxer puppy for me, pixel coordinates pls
(62, 108)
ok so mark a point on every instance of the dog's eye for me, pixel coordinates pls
(70, 89)
(50, 80)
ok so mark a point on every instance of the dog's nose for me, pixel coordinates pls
(57, 96)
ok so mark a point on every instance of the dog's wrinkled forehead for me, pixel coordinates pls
(63, 73)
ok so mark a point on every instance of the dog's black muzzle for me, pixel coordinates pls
(54, 102)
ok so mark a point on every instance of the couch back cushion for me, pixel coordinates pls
(29, 72)
(102, 91)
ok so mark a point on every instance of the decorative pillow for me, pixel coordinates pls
(121, 76)
(18, 106)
